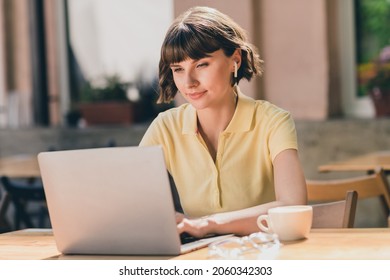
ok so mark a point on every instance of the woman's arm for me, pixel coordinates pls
(290, 189)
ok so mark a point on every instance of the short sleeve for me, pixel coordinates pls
(282, 134)
(151, 136)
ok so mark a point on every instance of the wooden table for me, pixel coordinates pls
(367, 162)
(333, 244)
(20, 166)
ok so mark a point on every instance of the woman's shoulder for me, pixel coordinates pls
(265, 108)
(175, 115)
(270, 108)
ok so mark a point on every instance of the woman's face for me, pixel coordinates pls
(205, 83)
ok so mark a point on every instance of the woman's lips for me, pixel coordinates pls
(196, 95)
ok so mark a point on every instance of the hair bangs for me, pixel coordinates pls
(186, 43)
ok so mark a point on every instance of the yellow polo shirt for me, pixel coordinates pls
(242, 175)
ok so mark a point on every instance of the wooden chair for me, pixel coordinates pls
(367, 186)
(4, 202)
(337, 214)
(20, 194)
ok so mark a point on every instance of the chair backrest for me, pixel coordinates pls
(23, 190)
(370, 185)
(20, 193)
(337, 214)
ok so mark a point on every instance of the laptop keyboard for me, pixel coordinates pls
(187, 238)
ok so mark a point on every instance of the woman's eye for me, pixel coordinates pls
(177, 70)
(202, 65)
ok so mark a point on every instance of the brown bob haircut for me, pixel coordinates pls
(197, 33)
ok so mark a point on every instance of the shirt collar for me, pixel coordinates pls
(190, 121)
(243, 116)
(241, 121)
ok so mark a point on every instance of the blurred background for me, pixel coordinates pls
(63, 63)
(319, 55)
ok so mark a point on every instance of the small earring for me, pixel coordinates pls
(235, 72)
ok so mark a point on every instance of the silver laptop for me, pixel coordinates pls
(112, 201)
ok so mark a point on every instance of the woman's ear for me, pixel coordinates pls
(237, 57)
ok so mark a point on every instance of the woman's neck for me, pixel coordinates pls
(213, 121)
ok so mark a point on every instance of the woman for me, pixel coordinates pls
(231, 157)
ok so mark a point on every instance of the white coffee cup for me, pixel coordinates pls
(288, 222)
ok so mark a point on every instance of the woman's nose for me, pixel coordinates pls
(191, 80)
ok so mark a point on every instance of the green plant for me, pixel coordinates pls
(113, 89)
(381, 78)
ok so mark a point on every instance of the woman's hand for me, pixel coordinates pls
(179, 217)
(199, 227)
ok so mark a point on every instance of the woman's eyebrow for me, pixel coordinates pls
(192, 62)
(174, 65)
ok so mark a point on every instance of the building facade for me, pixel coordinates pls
(308, 48)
